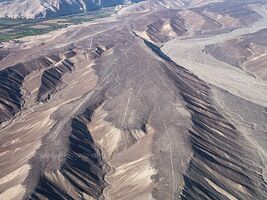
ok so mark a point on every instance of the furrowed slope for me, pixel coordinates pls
(214, 141)
(247, 52)
(113, 116)
(11, 82)
(219, 17)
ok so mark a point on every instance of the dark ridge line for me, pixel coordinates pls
(72, 130)
(11, 82)
(82, 160)
(196, 187)
(51, 80)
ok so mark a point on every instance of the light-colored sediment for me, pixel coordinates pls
(128, 153)
(188, 52)
(126, 121)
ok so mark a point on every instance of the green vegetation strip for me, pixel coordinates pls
(11, 29)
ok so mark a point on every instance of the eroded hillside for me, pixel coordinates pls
(133, 106)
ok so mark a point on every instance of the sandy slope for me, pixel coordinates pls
(126, 121)
(188, 52)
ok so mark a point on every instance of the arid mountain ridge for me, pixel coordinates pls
(32, 9)
(139, 105)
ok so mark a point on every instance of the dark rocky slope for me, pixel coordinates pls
(69, 171)
(52, 79)
(223, 165)
(159, 127)
(11, 81)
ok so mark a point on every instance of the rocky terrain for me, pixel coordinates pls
(31, 9)
(247, 52)
(163, 100)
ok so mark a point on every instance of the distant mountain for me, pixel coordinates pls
(51, 8)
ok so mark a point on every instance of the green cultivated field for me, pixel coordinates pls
(11, 29)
